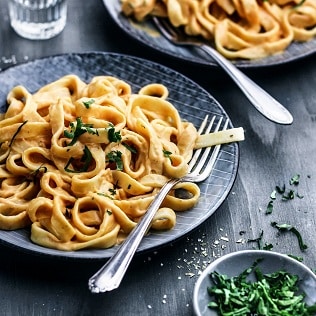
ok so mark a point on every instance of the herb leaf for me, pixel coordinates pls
(269, 207)
(113, 136)
(86, 158)
(130, 148)
(16, 133)
(295, 179)
(288, 227)
(88, 103)
(116, 158)
(258, 240)
(76, 130)
(167, 154)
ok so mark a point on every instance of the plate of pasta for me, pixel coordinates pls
(86, 141)
(269, 34)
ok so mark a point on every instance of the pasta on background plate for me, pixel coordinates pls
(80, 163)
(247, 29)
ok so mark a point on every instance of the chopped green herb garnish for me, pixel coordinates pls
(130, 148)
(298, 258)
(109, 212)
(295, 179)
(167, 154)
(280, 190)
(16, 133)
(76, 130)
(38, 171)
(86, 160)
(267, 247)
(269, 207)
(112, 191)
(36, 174)
(299, 4)
(288, 227)
(273, 194)
(258, 240)
(114, 137)
(88, 103)
(289, 196)
(270, 294)
(116, 158)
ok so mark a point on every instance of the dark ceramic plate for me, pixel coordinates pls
(190, 99)
(235, 263)
(147, 34)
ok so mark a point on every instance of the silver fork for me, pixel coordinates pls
(262, 101)
(111, 274)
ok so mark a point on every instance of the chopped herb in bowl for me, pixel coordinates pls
(274, 293)
(255, 283)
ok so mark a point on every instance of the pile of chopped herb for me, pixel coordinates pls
(271, 294)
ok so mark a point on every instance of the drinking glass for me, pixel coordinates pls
(38, 19)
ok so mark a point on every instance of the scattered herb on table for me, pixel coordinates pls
(295, 179)
(259, 242)
(269, 207)
(288, 227)
(285, 194)
(271, 294)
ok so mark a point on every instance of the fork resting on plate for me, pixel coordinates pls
(111, 274)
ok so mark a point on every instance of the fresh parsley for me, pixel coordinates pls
(115, 156)
(85, 159)
(167, 154)
(113, 136)
(288, 227)
(77, 129)
(270, 294)
(88, 103)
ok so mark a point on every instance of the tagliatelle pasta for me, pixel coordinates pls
(80, 163)
(247, 29)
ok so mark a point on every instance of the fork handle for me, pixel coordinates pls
(262, 101)
(111, 274)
